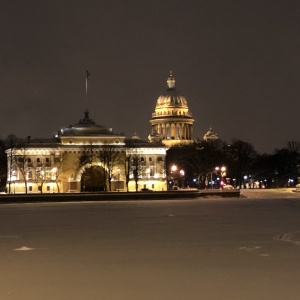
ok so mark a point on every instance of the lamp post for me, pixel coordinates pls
(173, 170)
(182, 177)
(218, 170)
(223, 175)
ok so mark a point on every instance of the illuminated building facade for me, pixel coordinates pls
(90, 157)
(85, 157)
(172, 122)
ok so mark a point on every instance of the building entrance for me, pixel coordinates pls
(93, 179)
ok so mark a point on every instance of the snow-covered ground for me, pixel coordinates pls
(270, 193)
(197, 249)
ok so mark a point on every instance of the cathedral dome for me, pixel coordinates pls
(172, 98)
(171, 103)
(171, 119)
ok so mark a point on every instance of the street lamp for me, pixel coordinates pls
(222, 171)
(173, 170)
(182, 178)
(223, 175)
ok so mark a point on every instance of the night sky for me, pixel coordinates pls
(236, 62)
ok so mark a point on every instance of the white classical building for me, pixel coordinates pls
(85, 157)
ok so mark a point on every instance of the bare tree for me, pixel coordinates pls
(40, 178)
(137, 168)
(11, 142)
(110, 158)
(242, 158)
(58, 167)
(3, 165)
(127, 169)
(125, 160)
(21, 162)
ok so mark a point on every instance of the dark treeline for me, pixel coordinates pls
(244, 166)
(11, 141)
(202, 162)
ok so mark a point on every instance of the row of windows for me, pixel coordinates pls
(142, 158)
(151, 159)
(57, 159)
(39, 188)
(38, 159)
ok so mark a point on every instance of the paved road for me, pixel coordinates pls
(184, 249)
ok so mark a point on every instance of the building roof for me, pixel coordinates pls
(141, 143)
(85, 127)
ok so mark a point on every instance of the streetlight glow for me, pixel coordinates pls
(174, 168)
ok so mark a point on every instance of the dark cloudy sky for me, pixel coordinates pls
(236, 62)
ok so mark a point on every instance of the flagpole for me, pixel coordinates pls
(86, 88)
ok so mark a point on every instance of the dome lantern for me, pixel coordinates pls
(171, 82)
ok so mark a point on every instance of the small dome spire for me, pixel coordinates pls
(171, 81)
(135, 137)
(210, 135)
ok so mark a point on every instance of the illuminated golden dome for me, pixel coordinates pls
(172, 98)
(171, 103)
(172, 118)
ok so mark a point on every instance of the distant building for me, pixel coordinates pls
(210, 136)
(172, 122)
